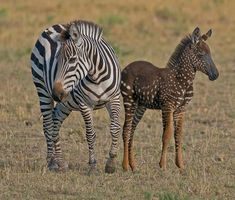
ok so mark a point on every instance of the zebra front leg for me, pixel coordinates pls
(138, 116)
(90, 136)
(127, 128)
(60, 113)
(178, 125)
(46, 107)
(167, 120)
(113, 108)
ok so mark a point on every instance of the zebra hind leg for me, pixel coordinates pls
(113, 108)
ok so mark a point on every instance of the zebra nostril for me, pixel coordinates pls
(55, 97)
(63, 96)
(58, 92)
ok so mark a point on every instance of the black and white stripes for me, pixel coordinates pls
(73, 65)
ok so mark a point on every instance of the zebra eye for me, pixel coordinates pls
(72, 59)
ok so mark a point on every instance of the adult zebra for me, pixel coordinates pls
(73, 65)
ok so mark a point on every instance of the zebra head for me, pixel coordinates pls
(201, 54)
(73, 64)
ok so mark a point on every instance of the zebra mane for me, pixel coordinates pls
(173, 61)
(85, 28)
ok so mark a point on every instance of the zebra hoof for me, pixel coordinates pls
(63, 166)
(56, 166)
(93, 170)
(53, 166)
(110, 166)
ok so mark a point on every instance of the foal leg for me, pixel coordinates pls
(137, 117)
(113, 108)
(127, 127)
(167, 119)
(178, 124)
(90, 135)
(60, 113)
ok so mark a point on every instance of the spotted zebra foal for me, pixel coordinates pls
(144, 86)
(74, 66)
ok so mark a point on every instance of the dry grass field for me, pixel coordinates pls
(147, 30)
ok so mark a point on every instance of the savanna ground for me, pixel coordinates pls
(142, 29)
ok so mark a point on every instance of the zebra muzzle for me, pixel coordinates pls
(58, 93)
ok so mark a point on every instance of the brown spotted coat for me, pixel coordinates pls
(169, 89)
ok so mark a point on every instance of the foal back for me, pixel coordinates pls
(142, 84)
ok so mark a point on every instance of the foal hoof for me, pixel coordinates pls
(110, 166)
(125, 166)
(133, 168)
(179, 164)
(162, 166)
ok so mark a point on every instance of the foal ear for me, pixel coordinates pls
(73, 32)
(196, 35)
(207, 35)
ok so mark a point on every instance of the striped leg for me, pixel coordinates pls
(113, 108)
(129, 114)
(46, 107)
(167, 119)
(90, 135)
(60, 113)
(178, 124)
(137, 117)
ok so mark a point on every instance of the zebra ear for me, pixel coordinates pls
(74, 33)
(207, 35)
(196, 35)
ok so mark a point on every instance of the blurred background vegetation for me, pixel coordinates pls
(147, 30)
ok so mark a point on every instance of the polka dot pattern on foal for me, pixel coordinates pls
(169, 89)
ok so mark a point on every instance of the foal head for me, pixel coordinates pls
(201, 54)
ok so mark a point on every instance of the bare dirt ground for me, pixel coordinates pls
(138, 30)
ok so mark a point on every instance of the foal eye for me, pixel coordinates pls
(201, 53)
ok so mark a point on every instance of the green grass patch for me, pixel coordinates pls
(218, 2)
(120, 50)
(148, 195)
(165, 14)
(176, 21)
(23, 52)
(50, 18)
(3, 12)
(171, 196)
(111, 20)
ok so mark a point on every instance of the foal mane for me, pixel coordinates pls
(173, 61)
(85, 28)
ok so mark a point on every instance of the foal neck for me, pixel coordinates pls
(184, 70)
